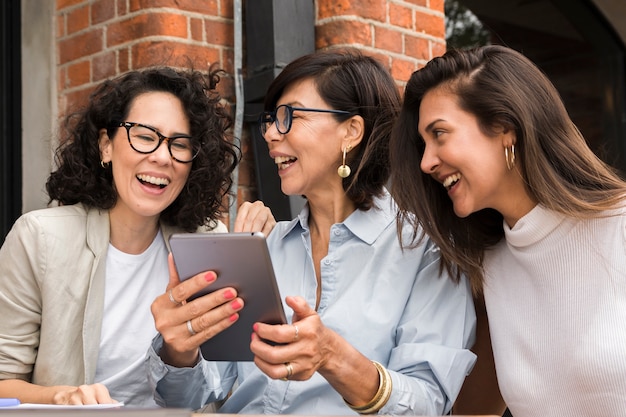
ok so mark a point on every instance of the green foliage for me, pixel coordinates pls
(463, 29)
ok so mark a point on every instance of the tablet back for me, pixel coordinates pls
(241, 261)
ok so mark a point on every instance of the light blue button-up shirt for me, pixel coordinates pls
(390, 304)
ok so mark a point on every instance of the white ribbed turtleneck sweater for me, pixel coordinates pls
(555, 292)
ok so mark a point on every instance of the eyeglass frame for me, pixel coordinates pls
(290, 110)
(162, 137)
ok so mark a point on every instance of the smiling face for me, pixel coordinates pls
(469, 163)
(308, 155)
(146, 184)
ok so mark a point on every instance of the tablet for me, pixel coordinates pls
(241, 261)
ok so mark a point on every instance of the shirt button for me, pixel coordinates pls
(327, 262)
(337, 232)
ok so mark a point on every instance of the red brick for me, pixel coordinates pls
(366, 9)
(226, 8)
(77, 19)
(387, 39)
(80, 46)
(62, 4)
(78, 74)
(208, 7)
(437, 5)
(438, 49)
(416, 47)
(195, 26)
(60, 25)
(343, 32)
(219, 33)
(400, 16)
(144, 25)
(423, 3)
(150, 53)
(103, 66)
(102, 10)
(74, 101)
(430, 24)
(402, 69)
(123, 59)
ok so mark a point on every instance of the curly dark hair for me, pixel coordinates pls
(80, 178)
(349, 80)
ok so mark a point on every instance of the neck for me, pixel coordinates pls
(132, 236)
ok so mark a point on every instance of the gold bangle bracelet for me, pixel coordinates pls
(382, 394)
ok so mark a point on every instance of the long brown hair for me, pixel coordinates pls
(500, 87)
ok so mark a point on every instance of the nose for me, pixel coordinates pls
(430, 162)
(272, 134)
(162, 153)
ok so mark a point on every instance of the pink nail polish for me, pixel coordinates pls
(210, 276)
(255, 327)
(236, 304)
(234, 317)
(229, 295)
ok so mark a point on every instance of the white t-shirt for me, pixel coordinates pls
(132, 284)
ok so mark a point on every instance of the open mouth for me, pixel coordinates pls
(451, 181)
(153, 181)
(284, 161)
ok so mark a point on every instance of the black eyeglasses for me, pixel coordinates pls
(283, 116)
(145, 139)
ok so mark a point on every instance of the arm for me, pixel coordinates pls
(58, 394)
(21, 265)
(175, 370)
(480, 393)
(418, 326)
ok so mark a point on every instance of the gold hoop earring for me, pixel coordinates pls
(344, 170)
(509, 157)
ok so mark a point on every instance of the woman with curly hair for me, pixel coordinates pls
(147, 157)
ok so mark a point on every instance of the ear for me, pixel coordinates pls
(104, 143)
(507, 136)
(355, 129)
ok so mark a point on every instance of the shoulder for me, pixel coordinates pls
(62, 219)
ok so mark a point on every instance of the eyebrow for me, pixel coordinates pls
(430, 126)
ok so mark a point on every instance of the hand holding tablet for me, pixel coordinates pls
(241, 261)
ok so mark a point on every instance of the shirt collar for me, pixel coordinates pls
(363, 225)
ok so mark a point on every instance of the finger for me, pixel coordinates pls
(102, 394)
(171, 265)
(84, 394)
(301, 309)
(217, 319)
(242, 216)
(184, 290)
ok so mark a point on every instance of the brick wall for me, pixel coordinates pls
(97, 39)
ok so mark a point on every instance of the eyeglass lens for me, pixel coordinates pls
(281, 117)
(146, 140)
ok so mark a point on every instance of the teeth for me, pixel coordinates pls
(153, 180)
(283, 161)
(451, 180)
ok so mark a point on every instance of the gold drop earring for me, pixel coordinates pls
(344, 170)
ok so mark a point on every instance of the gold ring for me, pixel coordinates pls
(169, 294)
(289, 371)
(295, 336)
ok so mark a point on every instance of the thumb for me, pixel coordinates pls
(300, 308)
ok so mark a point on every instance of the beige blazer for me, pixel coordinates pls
(52, 273)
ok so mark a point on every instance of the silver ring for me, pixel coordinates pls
(169, 294)
(289, 371)
(190, 328)
(295, 336)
